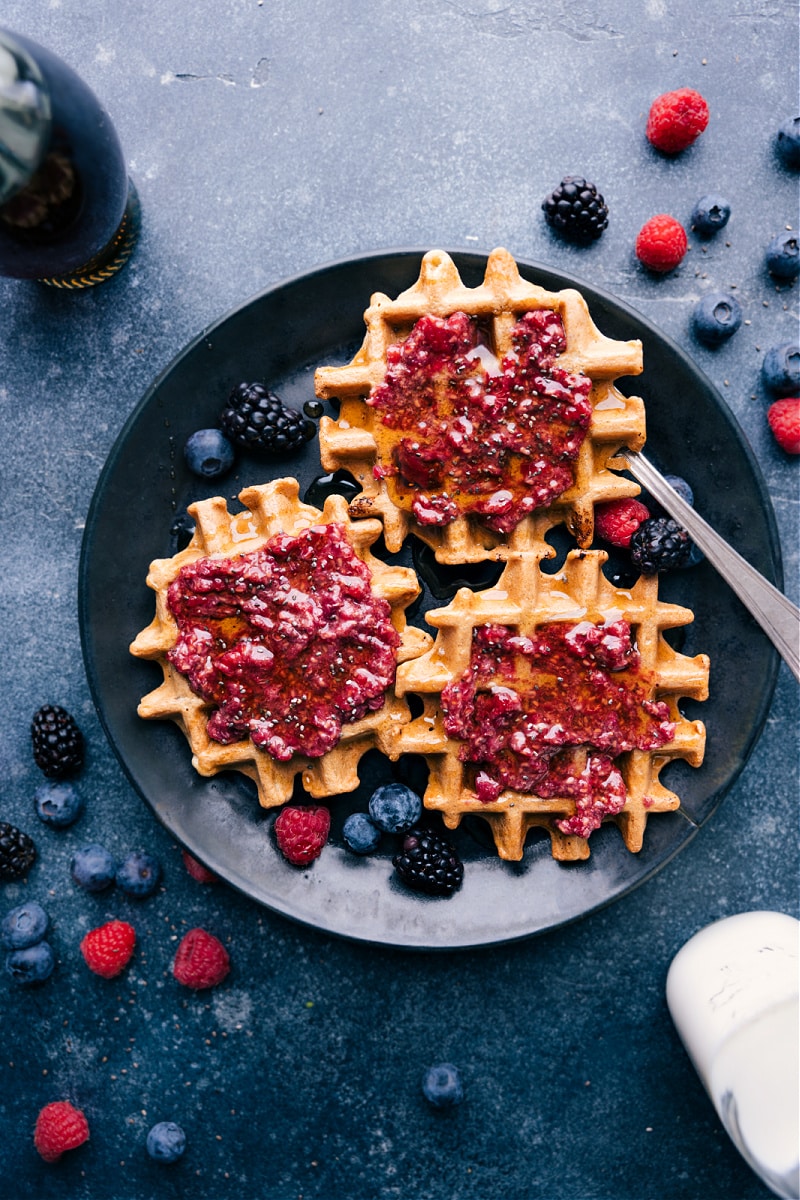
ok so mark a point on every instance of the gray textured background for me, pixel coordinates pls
(265, 138)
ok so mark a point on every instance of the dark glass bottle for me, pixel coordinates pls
(69, 215)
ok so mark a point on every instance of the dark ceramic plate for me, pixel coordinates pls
(279, 338)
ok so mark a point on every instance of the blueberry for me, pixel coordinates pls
(24, 926)
(361, 835)
(166, 1142)
(780, 370)
(788, 142)
(395, 808)
(716, 318)
(783, 256)
(93, 868)
(32, 965)
(138, 874)
(209, 453)
(442, 1087)
(682, 488)
(710, 214)
(57, 804)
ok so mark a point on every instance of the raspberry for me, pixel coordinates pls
(784, 421)
(197, 870)
(616, 520)
(201, 960)
(59, 1127)
(676, 119)
(302, 831)
(109, 948)
(661, 243)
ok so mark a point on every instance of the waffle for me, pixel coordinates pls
(525, 598)
(268, 510)
(359, 440)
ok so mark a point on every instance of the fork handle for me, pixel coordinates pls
(777, 616)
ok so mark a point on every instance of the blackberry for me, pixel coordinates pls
(428, 863)
(576, 209)
(57, 742)
(660, 544)
(17, 852)
(259, 420)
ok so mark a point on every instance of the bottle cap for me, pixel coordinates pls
(25, 116)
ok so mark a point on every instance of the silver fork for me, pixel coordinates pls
(776, 615)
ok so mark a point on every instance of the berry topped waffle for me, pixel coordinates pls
(278, 633)
(478, 418)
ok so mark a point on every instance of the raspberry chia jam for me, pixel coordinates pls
(525, 704)
(287, 642)
(474, 434)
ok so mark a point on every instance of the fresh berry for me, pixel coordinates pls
(679, 485)
(660, 544)
(716, 318)
(710, 214)
(302, 831)
(17, 852)
(23, 926)
(360, 833)
(93, 868)
(788, 142)
(783, 256)
(780, 370)
(109, 948)
(32, 965)
(676, 120)
(395, 808)
(166, 1142)
(442, 1086)
(138, 875)
(197, 870)
(201, 960)
(57, 742)
(428, 863)
(661, 243)
(615, 521)
(208, 453)
(784, 421)
(258, 420)
(576, 209)
(57, 804)
(59, 1127)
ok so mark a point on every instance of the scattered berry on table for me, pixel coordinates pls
(57, 804)
(615, 521)
(24, 926)
(57, 742)
(710, 214)
(784, 421)
(93, 868)
(201, 960)
(360, 833)
(676, 120)
(197, 870)
(780, 370)
(428, 863)
(59, 1127)
(302, 831)
(258, 420)
(576, 209)
(138, 875)
(660, 544)
(31, 966)
(166, 1142)
(661, 243)
(109, 948)
(442, 1086)
(17, 852)
(208, 453)
(788, 142)
(395, 808)
(783, 256)
(716, 317)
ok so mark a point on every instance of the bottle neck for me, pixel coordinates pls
(25, 116)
